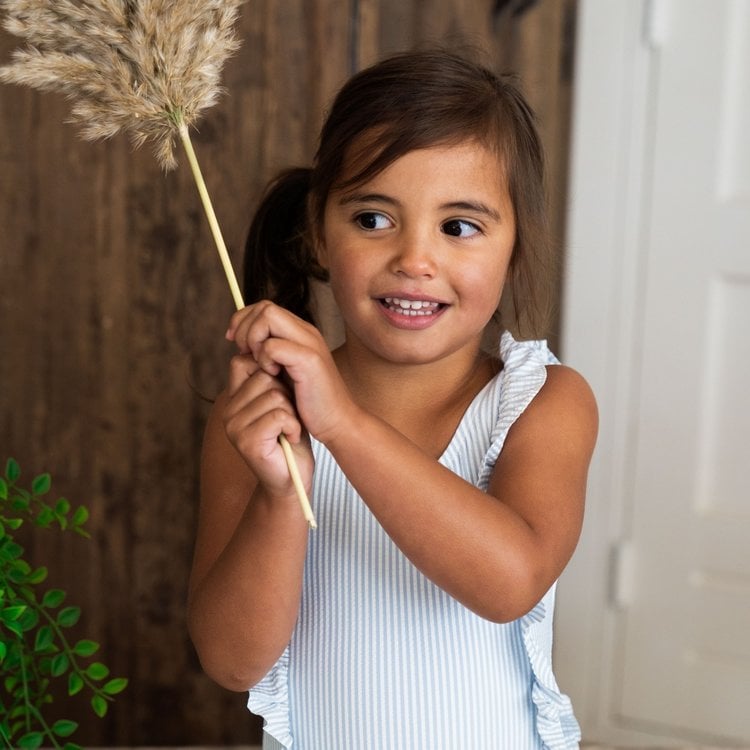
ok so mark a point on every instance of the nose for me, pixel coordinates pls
(414, 257)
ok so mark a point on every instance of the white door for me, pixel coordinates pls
(673, 647)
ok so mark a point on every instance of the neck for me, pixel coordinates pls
(399, 393)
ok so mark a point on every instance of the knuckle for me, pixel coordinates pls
(240, 362)
(277, 400)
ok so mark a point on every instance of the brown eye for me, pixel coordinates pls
(460, 228)
(371, 220)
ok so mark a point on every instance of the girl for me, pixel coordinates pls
(448, 483)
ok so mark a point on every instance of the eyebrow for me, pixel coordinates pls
(473, 206)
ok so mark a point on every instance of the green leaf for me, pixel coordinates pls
(97, 671)
(3, 651)
(85, 648)
(44, 638)
(38, 576)
(18, 711)
(12, 470)
(62, 506)
(10, 550)
(12, 660)
(99, 705)
(71, 746)
(3, 489)
(27, 594)
(18, 571)
(64, 727)
(68, 617)
(31, 741)
(14, 627)
(60, 665)
(13, 523)
(44, 517)
(41, 484)
(80, 516)
(113, 687)
(12, 613)
(75, 683)
(53, 598)
(28, 620)
(20, 500)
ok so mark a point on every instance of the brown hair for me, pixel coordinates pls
(410, 101)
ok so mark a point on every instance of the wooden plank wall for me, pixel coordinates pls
(113, 308)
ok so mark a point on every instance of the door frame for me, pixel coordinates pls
(614, 94)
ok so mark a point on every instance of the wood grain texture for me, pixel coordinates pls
(113, 310)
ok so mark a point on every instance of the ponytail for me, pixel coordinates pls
(279, 261)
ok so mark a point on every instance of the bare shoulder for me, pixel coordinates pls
(550, 445)
(561, 419)
(553, 439)
(567, 394)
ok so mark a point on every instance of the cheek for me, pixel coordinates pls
(346, 274)
(487, 281)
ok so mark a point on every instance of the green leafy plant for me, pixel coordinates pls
(37, 650)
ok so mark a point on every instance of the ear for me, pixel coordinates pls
(319, 250)
(315, 236)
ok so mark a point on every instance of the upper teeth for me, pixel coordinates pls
(417, 306)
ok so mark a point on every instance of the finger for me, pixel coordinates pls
(259, 394)
(242, 367)
(256, 427)
(251, 387)
(265, 321)
(243, 327)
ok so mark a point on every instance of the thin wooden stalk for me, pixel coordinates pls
(239, 302)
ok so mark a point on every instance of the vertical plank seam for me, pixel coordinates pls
(354, 36)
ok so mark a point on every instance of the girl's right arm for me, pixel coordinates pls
(246, 579)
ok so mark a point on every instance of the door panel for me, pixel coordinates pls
(682, 641)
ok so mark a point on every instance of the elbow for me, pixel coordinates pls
(225, 668)
(506, 613)
(226, 675)
(219, 659)
(513, 599)
(231, 662)
(502, 612)
(220, 667)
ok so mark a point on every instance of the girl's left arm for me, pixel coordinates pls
(496, 552)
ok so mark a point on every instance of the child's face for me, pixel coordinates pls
(418, 255)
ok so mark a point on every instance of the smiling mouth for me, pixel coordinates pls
(411, 307)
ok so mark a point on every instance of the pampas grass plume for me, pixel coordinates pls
(143, 67)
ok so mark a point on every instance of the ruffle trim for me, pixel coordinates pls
(523, 375)
(555, 721)
(270, 699)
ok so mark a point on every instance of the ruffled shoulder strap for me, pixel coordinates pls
(523, 375)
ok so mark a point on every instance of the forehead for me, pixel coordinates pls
(372, 154)
(447, 173)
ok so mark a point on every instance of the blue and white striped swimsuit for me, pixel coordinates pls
(383, 659)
